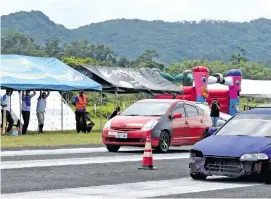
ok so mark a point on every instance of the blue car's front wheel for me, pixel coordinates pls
(198, 176)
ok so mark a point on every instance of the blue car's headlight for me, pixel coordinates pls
(254, 157)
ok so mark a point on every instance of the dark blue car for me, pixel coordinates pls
(241, 147)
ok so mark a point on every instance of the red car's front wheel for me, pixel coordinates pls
(164, 142)
(112, 148)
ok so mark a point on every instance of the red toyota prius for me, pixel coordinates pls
(169, 122)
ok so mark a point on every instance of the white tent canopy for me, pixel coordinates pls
(253, 88)
(52, 114)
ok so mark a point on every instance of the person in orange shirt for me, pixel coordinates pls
(80, 103)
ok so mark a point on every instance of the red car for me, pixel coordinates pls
(169, 122)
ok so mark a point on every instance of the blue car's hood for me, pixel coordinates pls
(233, 146)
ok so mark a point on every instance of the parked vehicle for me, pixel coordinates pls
(239, 148)
(169, 122)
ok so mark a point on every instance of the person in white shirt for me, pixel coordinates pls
(41, 105)
(26, 107)
(5, 103)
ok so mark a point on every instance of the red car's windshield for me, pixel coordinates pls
(147, 109)
(248, 125)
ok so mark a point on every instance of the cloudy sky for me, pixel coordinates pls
(75, 13)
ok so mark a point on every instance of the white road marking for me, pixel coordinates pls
(131, 190)
(62, 151)
(89, 160)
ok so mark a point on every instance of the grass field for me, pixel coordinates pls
(55, 138)
(52, 139)
(97, 126)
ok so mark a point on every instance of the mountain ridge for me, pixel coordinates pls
(134, 19)
(207, 39)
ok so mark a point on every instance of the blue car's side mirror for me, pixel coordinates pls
(212, 130)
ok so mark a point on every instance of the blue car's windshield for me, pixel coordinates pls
(248, 125)
(147, 109)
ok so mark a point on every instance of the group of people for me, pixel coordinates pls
(26, 108)
(83, 120)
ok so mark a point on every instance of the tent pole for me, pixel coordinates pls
(61, 112)
(101, 111)
(20, 112)
(116, 98)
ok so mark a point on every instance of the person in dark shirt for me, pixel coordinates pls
(215, 108)
(115, 112)
(26, 108)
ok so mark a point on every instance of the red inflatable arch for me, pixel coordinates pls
(189, 93)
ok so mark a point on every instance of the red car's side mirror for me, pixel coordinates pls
(177, 115)
(118, 113)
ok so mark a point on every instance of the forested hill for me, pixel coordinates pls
(211, 40)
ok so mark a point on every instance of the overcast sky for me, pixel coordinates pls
(75, 13)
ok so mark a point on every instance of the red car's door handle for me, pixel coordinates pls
(186, 122)
(201, 121)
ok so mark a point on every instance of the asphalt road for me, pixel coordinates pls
(95, 173)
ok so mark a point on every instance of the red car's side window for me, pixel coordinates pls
(179, 108)
(191, 111)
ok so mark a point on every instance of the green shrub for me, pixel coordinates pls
(107, 109)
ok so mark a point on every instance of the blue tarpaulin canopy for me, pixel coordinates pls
(25, 72)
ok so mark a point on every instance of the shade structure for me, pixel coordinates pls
(26, 72)
(129, 80)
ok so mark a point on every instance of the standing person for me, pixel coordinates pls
(215, 108)
(41, 105)
(80, 103)
(5, 103)
(115, 112)
(26, 107)
(1, 115)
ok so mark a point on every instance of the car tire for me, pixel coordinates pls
(266, 172)
(112, 148)
(164, 142)
(198, 176)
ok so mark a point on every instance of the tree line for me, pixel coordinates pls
(83, 52)
(206, 39)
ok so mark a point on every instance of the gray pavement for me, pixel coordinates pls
(170, 180)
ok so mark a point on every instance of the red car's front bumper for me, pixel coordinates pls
(134, 138)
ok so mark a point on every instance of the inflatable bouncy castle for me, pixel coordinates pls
(233, 81)
(195, 87)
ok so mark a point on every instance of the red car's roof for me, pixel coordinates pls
(162, 100)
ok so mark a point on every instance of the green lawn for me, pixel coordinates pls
(97, 126)
(56, 138)
(52, 139)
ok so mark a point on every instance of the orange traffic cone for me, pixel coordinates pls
(147, 161)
